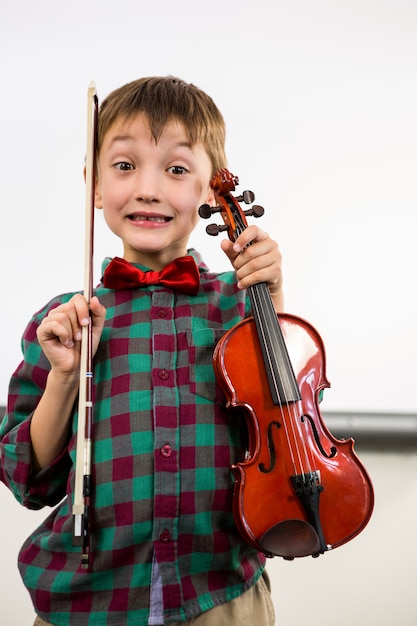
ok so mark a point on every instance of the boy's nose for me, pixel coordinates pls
(147, 187)
(146, 198)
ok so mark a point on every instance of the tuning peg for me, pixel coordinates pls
(247, 197)
(206, 211)
(215, 229)
(256, 211)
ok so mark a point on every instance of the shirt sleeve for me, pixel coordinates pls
(26, 387)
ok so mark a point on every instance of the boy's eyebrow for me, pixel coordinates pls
(121, 138)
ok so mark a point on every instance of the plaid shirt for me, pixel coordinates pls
(163, 540)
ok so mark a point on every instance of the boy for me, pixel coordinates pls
(165, 549)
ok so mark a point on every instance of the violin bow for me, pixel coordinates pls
(83, 480)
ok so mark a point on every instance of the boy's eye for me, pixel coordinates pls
(177, 170)
(123, 166)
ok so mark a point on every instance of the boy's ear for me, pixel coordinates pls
(211, 200)
(98, 203)
(98, 200)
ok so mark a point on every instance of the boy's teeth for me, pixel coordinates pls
(148, 219)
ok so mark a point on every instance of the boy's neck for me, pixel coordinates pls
(152, 260)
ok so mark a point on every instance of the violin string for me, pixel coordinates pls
(266, 321)
(269, 328)
(290, 382)
(277, 352)
(262, 330)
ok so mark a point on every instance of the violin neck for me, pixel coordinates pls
(282, 381)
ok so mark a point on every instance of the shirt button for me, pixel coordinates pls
(163, 374)
(162, 313)
(165, 536)
(166, 450)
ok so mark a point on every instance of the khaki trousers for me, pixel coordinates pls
(252, 607)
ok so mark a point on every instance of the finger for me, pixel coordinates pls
(260, 253)
(98, 316)
(260, 265)
(247, 277)
(98, 311)
(249, 236)
(227, 247)
(81, 308)
(57, 326)
(65, 321)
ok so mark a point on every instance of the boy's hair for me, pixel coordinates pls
(163, 99)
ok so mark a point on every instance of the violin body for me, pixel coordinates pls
(268, 512)
(298, 491)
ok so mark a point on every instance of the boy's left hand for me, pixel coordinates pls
(258, 262)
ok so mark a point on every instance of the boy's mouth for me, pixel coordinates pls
(143, 217)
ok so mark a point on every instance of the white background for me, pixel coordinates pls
(320, 100)
(319, 97)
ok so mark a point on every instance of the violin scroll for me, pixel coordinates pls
(234, 218)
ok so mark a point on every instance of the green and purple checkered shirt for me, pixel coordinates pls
(163, 540)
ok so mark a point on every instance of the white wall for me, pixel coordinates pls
(320, 99)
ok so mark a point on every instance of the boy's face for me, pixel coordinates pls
(150, 192)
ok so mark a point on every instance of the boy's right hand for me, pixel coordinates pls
(60, 333)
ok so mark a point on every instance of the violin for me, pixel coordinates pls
(299, 491)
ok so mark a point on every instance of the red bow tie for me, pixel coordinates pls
(180, 275)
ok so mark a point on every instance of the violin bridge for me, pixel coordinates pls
(308, 488)
(307, 481)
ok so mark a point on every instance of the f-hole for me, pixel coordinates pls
(271, 448)
(333, 449)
